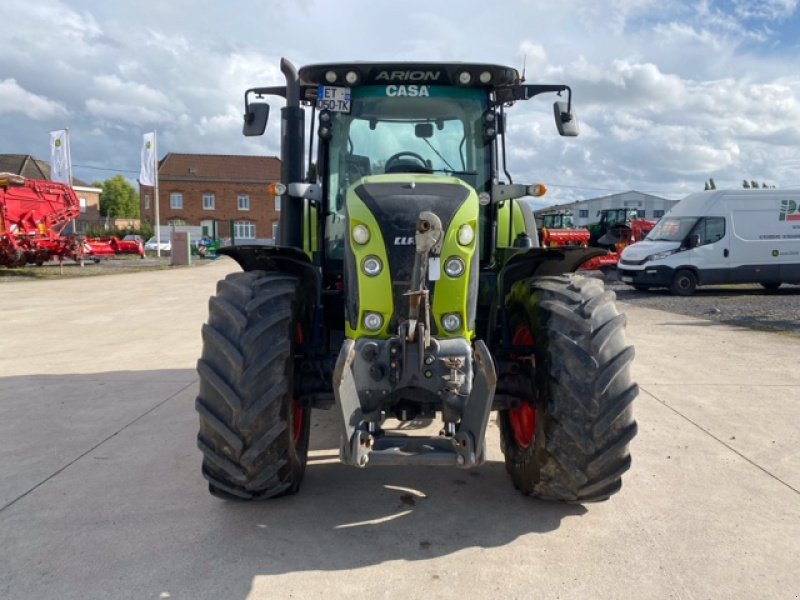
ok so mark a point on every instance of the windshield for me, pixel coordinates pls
(405, 128)
(672, 229)
(559, 222)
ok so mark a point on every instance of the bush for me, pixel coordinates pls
(146, 231)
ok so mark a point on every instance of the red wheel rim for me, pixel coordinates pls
(298, 412)
(523, 418)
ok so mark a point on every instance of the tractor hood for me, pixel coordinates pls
(388, 208)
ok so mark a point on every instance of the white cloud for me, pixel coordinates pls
(667, 94)
(15, 99)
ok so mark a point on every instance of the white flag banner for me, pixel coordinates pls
(147, 175)
(60, 168)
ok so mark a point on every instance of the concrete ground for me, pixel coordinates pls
(101, 494)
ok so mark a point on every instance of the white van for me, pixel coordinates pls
(719, 236)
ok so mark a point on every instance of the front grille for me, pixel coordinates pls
(396, 208)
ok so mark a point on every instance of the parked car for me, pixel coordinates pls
(152, 245)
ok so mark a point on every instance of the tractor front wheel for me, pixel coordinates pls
(253, 432)
(570, 443)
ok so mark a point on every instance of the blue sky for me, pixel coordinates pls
(668, 93)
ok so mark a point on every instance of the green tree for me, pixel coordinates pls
(119, 198)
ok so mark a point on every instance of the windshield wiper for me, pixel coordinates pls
(453, 172)
(438, 154)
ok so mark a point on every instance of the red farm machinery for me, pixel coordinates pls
(557, 229)
(33, 217)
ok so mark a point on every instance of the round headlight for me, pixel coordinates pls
(466, 234)
(351, 77)
(360, 234)
(451, 322)
(371, 266)
(484, 198)
(330, 76)
(454, 266)
(373, 321)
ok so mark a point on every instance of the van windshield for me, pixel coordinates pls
(671, 229)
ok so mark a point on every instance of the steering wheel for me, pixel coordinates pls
(395, 162)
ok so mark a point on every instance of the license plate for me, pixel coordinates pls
(334, 99)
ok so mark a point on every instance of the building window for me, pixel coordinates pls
(243, 202)
(244, 230)
(83, 204)
(657, 214)
(176, 201)
(642, 214)
(278, 203)
(583, 213)
(147, 201)
(209, 201)
(275, 226)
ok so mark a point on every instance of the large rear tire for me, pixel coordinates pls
(253, 433)
(571, 442)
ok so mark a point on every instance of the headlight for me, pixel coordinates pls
(371, 266)
(660, 255)
(451, 322)
(454, 266)
(360, 234)
(466, 234)
(373, 321)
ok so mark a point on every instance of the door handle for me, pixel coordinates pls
(725, 253)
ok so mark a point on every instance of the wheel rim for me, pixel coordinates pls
(523, 418)
(298, 412)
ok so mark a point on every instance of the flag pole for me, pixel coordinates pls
(69, 156)
(155, 193)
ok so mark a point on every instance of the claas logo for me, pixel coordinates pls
(789, 211)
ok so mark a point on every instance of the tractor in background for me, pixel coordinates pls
(557, 229)
(617, 229)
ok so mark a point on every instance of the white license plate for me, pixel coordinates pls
(334, 99)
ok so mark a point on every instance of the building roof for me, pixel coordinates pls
(219, 167)
(30, 167)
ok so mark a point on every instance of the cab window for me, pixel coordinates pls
(709, 230)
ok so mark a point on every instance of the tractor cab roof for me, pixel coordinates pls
(428, 73)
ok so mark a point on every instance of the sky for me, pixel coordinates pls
(668, 93)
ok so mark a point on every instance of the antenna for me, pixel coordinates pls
(524, 64)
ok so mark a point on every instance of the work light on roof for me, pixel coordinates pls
(464, 77)
(330, 76)
(485, 77)
(351, 77)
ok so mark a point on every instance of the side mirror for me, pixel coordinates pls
(566, 120)
(694, 241)
(255, 118)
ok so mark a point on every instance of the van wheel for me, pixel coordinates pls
(771, 286)
(684, 283)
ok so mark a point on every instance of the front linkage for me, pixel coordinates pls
(373, 375)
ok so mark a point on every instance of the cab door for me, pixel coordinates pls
(711, 255)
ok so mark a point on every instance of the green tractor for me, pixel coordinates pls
(408, 286)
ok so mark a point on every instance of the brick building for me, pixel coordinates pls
(225, 195)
